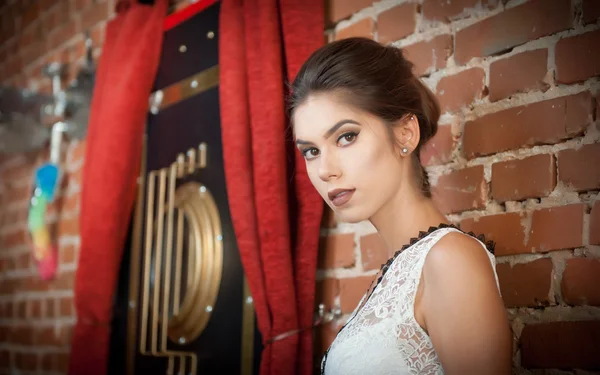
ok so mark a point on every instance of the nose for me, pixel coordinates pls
(328, 167)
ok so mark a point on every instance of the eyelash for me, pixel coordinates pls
(353, 134)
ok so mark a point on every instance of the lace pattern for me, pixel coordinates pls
(382, 335)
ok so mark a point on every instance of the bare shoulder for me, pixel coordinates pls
(454, 254)
(462, 308)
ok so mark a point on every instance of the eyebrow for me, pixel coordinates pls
(329, 132)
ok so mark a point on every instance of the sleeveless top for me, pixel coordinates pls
(382, 336)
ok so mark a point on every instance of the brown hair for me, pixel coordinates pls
(375, 78)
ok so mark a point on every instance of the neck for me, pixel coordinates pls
(401, 219)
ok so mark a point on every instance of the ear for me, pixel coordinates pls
(407, 134)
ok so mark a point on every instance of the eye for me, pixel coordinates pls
(347, 138)
(310, 153)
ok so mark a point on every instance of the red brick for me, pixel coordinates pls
(531, 177)
(397, 23)
(62, 362)
(26, 361)
(4, 358)
(97, 13)
(506, 230)
(352, 290)
(46, 362)
(561, 345)
(362, 28)
(68, 227)
(63, 281)
(63, 34)
(35, 309)
(66, 307)
(56, 17)
(14, 239)
(31, 14)
(21, 335)
(595, 224)
(576, 169)
(525, 285)
(591, 11)
(545, 122)
(460, 89)
(49, 336)
(578, 58)
(337, 10)
(50, 310)
(438, 150)
(449, 10)
(327, 290)
(337, 251)
(461, 190)
(326, 336)
(518, 73)
(580, 282)
(521, 24)
(78, 5)
(429, 55)
(374, 252)
(557, 228)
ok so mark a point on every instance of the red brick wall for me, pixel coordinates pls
(516, 158)
(36, 318)
(547, 247)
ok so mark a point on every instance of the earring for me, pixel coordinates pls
(404, 150)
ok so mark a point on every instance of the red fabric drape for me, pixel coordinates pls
(126, 72)
(262, 45)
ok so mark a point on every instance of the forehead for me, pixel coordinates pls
(319, 112)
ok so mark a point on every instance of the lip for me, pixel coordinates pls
(340, 196)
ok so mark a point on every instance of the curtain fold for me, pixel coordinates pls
(276, 217)
(126, 73)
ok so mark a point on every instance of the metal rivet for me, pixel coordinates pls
(182, 48)
(210, 35)
(249, 300)
(208, 308)
(219, 238)
(202, 189)
(182, 340)
(194, 84)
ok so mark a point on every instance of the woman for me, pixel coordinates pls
(360, 118)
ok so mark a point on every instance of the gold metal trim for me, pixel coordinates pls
(247, 362)
(186, 88)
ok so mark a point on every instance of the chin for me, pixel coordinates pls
(350, 215)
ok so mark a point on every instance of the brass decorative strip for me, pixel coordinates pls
(186, 88)
(247, 332)
(136, 244)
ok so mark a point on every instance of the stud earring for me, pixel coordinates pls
(404, 150)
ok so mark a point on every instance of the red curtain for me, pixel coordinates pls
(126, 72)
(275, 210)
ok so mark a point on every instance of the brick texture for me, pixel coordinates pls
(374, 252)
(531, 177)
(337, 10)
(526, 22)
(557, 228)
(580, 282)
(326, 291)
(576, 169)
(429, 55)
(397, 23)
(448, 10)
(544, 122)
(337, 251)
(352, 290)
(461, 190)
(525, 285)
(594, 234)
(519, 73)
(438, 150)
(555, 345)
(591, 11)
(506, 230)
(460, 90)
(578, 58)
(362, 28)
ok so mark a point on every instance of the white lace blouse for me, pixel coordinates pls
(382, 336)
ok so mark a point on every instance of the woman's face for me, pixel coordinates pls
(349, 155)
